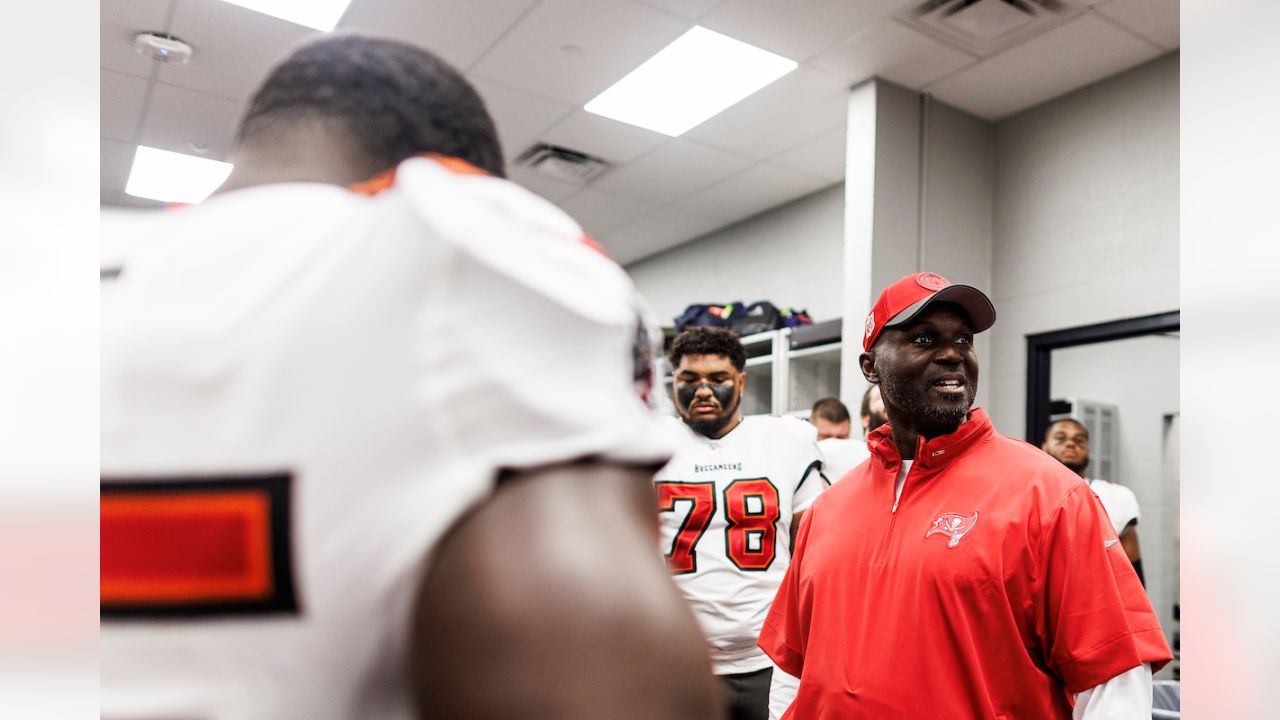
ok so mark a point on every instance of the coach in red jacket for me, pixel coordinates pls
(957, 573)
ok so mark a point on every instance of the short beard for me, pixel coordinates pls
(1077, 467)
(930, 419)
(713, 427)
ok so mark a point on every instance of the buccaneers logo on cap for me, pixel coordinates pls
(954, 526)
(931, 281)
(870, 324)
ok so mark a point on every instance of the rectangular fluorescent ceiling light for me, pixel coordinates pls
(689, 81)
(173, 177)
(322, 15)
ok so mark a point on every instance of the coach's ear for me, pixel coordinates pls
(867, 361)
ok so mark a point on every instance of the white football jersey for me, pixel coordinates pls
(302, 389)
(1119, 501)
(840, 455)
(725, 509)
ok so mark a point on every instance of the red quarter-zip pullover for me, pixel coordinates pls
(994, 589)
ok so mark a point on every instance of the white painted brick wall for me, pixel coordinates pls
(1085, 217)
(791, 255)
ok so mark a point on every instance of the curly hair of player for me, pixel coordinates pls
(709, 341)
(394, 99)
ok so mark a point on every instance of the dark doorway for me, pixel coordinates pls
(1041, 346)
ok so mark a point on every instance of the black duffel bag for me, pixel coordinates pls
(760, 316)
(708, 315)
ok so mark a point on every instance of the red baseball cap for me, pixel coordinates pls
(908, 297)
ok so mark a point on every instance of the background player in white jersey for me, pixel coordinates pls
(729, 503)
(342, 478)
(840, 453)
(1067, 440)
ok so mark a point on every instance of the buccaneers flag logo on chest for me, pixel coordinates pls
(954, 526)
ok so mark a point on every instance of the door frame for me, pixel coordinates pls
(1040, 347)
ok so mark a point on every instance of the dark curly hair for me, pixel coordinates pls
(709, 341)
(396, 100)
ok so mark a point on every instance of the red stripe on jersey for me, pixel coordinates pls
(184, 548)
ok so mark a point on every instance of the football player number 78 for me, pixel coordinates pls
(751, 513)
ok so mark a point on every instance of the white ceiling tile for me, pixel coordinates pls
(602, 137)
(673, 171)
(664, 228)
(233, 47)
(571, 50)
(822, 156)
(126, 200)
(521, 117)
(894, 52)
(690, 9)
(115, 161)
(119, 21)
(457, 30)
(1067, 57)
(799, 106)
(599, 212)
(797, 29)
(123, 97)
(752, 191)
(137, 14)
(1155, 20)
(549, 188)
(188, 122)
(535, 88)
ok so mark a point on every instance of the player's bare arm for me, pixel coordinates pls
(552, 592)
(795, 528)
(1129, 541)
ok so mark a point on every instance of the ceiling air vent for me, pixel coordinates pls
(562, 164)
(986, 27)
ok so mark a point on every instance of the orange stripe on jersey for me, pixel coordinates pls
(591, 243)
(375, 184)
(204, 545)
(455, 165)
(387, 178)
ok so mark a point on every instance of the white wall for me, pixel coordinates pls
(1140, 377)
(790, 255)
(1085, 219)
(959, 170)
